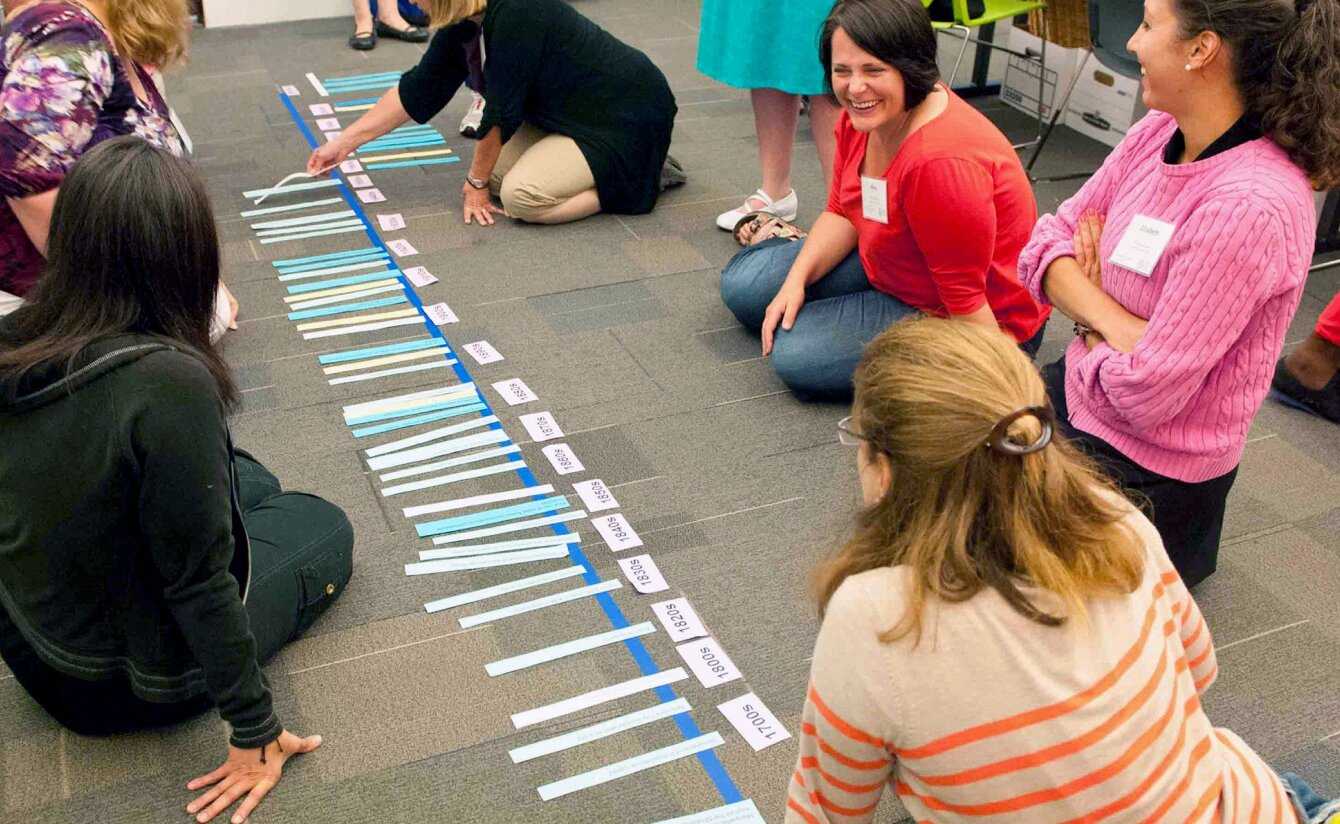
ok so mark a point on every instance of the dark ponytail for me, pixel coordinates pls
(1287, 67)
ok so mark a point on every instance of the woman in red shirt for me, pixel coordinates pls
(928, 212)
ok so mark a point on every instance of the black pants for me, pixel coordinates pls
(301, 560)
(1188, 516)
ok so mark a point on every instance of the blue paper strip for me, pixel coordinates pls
(326, 81)
(328, 258)
(362, 101)
(408, 422)
(345, 281)
(324, 311)
(378, 351)
(491, 516)
(402, 142)
(402, 164)
(362, 87)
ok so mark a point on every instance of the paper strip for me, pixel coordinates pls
(361, 77)
(427, 437)
(524, 607)
(361, 101)
(294, 207)
(478, 500)
(327, 324)
(405, 164)
(374, 351)
(473, 457)
(407, 155)
(342, 223)
(359, 108)
(586, 700)
(358, 227)
(519, 526)
(367, 327)
(295, 187)
(462, 407)
(354, 411)
(492, 516)
(316, 84)
(629, 766)
(305, 273)
(351, 280)
(386, 361)
(370, 85)
(418, 409)
(343, 308)
(741, 812)
(329, 296)
(590, 642)
(384, 373)
(502, 589)
(428, 483)
(404, 143)
(330, 258)
(595, 732)
(493, 547)
(303, 221)
(437, 450)
(529, 556)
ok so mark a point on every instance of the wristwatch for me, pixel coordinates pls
(475, 182)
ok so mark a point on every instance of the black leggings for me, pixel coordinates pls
(301, 560)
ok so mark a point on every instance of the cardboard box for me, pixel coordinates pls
(1021, 86)
(1104, 104)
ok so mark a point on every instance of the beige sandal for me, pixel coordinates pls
(757, 227)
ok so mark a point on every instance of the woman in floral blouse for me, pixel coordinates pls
(74, 75)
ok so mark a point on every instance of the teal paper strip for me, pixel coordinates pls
(342, 223)
(429, 406)
(358, 78)
(361, 266)
(311, 204)
(491, 516)
(324, 217)
(325, 311)
(424, 127)
(329, 258)
(408, 422)
(371, 85)
(349, 281)
(409, 141)
(404, 164)
(265, 241)
(362, 101)
(378, 351)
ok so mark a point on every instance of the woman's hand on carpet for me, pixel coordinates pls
(247, 772)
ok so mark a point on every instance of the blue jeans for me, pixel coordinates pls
(1311, 808)
(842, 313)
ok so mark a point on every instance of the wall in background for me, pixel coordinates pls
(252, 12)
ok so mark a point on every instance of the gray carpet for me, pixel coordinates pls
(736, 487)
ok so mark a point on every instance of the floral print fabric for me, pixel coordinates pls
(63, 91)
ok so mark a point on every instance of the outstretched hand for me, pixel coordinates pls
(245, 774)
(327, 157)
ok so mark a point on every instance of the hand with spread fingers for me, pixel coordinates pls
(479, 206)
(248, 774)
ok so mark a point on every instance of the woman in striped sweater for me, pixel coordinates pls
(1183, 258)
(1004, 638)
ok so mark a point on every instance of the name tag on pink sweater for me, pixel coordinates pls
(1142, 244)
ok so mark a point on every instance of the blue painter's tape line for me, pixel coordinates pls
(367, 431)
(340, 309)
(492, 516)
(378, 351)
(716, 771)
(344, 281)
(404, 164)
(327, 259)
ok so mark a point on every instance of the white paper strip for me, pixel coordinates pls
(324, 217)
(305, 231)
(399, 370)
(503, 529)
(478, 500)
(595, 732)
(359, 410)
(379, 263)
(429, 483)
(503, 589)
(262, 194)
(347, 296)
(568, 648)
(292, 207)
(499, 546)
(539, 603)
(337, 291)
(473, 457)
(487, 561)
(385, 360)
(630, 766)
(741, 812)
(586, 700)
(316, 84)
(436, 450)
(436, 434)
(367, 327)
(356, 227)
(357, 319)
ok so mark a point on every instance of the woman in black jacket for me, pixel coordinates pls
(147, 569)
(576, 122)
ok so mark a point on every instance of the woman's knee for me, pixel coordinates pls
(751, 280)
(811, 365)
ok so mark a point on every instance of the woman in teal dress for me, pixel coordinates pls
(772, 49)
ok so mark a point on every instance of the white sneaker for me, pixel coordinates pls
(473, 117)
(759, 201)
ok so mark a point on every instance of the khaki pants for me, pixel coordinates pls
(537, 171)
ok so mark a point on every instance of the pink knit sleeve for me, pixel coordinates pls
(1227, 259)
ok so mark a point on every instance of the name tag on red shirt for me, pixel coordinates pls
(875, 199)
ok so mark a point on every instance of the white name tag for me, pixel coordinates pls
(441, 314)
(541, 426)
(875, 199)
(328, 124)
(401, 247)
(679, 619)
(708, 661)
(389, 223)
(563, 460)
(360, 181)
(515, 392)
(596, 495)
(371, 195)
(292, 91)
(616, 532)
(483, 352)
(420, 276)
(351, 167)
(321, 109)
(754, 721)
(1142, 244)
(642, 573)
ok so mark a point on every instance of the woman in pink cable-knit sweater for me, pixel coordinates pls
(1183, 258)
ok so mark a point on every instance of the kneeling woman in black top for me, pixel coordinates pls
(147, 569)
(577, 122)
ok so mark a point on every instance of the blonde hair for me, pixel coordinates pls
(150, 32)
(443, 13)
(963, 516)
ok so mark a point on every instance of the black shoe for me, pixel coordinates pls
(413, 34)
(363, 41)
(1324, 402)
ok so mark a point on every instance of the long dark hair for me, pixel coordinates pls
(897, 32)
(1287, 65)
(133, 249)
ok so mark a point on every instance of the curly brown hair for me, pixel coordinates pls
(150, 32)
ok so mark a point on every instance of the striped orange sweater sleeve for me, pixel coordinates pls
(845, 759)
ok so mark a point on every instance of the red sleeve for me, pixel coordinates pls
(952, 214)
(845, 135)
